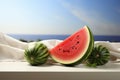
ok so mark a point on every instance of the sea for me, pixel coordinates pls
(34, 37)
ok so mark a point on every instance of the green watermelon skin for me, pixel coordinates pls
(85, 54)
(37, 55)
(99, 56)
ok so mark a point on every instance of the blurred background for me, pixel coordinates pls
(47, 19)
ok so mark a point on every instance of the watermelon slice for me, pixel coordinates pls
(74, 49)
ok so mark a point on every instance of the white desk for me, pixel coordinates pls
(25, 67)
(23, 71)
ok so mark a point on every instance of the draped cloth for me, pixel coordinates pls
(12, 49)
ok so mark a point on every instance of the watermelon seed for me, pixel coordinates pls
(72, 47)
(66, 51)
(75, 48)
(59, 49)
(77, 42)
(77, 36)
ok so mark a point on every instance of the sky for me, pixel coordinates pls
(59, 16)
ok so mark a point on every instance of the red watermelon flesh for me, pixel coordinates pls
(72, 48)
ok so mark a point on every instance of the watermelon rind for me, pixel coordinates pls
(85, 54)
(88, 52)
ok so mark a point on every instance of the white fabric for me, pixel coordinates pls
(13, 50)
(49, 43)
(9, 53)
(7, 40)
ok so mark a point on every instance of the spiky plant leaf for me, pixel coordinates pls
(37, 55)
(99, 56)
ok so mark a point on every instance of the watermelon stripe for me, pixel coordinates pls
(37, 55)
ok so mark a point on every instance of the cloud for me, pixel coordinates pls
(99, 24)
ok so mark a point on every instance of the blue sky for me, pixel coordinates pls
(59, 16)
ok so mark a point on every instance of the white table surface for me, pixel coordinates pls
(25, 67)
(23, 71)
